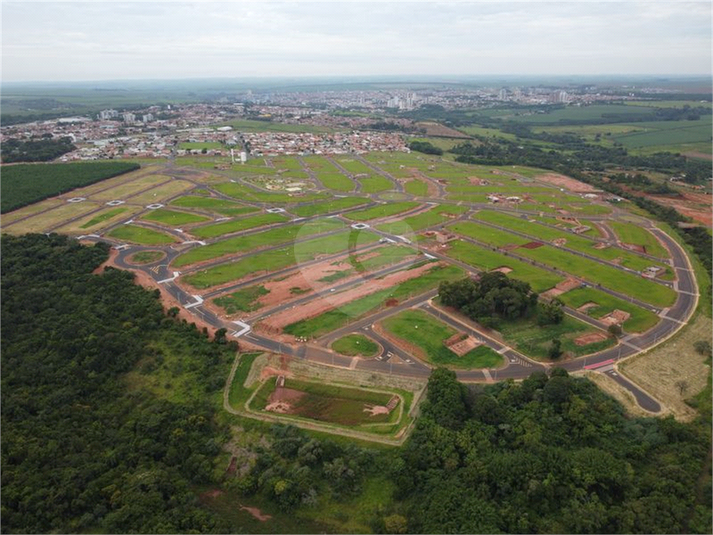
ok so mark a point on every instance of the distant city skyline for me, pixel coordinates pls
(87, 41)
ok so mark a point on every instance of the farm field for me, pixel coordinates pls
(237, 225)
(427, 334)
(96, 222)
(242, 244)
(640, 319)
(141, 235)
(25, 184)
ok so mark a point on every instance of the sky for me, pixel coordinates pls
(57, 41)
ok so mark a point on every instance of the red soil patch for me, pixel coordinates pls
(702, 155)
(694, 205)
(439, 130)
(562, 287)
(510, 247)
(590, 338)
(502, 269)
(391, 302)
(634, 247)
(256, 513)
(562, 181)
(314, 308)
(532, 245)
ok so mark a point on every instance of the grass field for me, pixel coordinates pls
(42, 222)
(334, 319)
(329, 403)
(219, 206)
(610, 277)
(573, 241)
(375, 184)
(535, 340)
(140, 235)
(146, 257)
(173, 218)
(102, 217)
(487, 260)
(630, 233)
(326, 207)
(640, 320)
(275, 259)
(239, 191)
(383, 210)
(426, 332)
(237, 225)
(162, 192)
(127, 190)
(242, 244)
(25, 184)
(354, 345)
(434, 216)
(416, 187)
(241, 301)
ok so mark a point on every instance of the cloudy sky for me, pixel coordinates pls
(57, 41)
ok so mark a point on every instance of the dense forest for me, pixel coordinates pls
(25, 184)
(80, 450)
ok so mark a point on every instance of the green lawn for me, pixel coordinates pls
(334, 319)
(276, 259)
(335, 181)
(173, 218)
(241, 244)
(416, 187)
(241, 301)
(356, 345)
(573, 241)
(434, 216)
(249, 125)
(423, 330)
(103, 217)
(535, 340)
(375, 184)
(334, 205)
(242, 192)
(487, 260)
(146, 257)
(630, 233)
(639, 321)
(140, 235)
(227, 227)
(219, 206)
(610, 277)
(383, 210)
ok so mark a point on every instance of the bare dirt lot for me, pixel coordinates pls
(319, 306)
(590, 338)
(695, 205)
(674, 371)
(562, 181)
